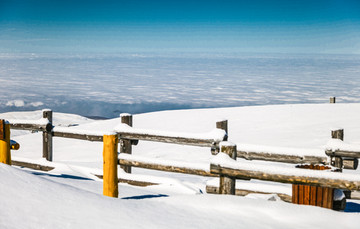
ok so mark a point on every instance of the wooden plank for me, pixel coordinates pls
(29, 126)
(325, 202)
(306, 194)
(317, 181)
(301, 194)
(32, 166)
(295, 194)
(167, 139)
(343, 153)
(87, 137)
(319, 196)
(166, 168)
(330, 197)
(284, 158)
(313, 195)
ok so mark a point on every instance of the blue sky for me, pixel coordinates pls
(256, 26)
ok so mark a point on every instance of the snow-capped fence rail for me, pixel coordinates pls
(319, 193)
(223, 165)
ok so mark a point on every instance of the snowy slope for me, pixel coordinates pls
(36, 201)
(70, 196)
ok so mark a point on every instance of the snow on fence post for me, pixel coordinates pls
(125, 145)
(110, 162)
(47, 136)
(332, 99)
(227, 184)
(5, 156)
(337, 161)
(222, 125)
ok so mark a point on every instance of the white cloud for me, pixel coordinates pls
(16, 103)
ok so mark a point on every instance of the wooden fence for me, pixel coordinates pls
(126, 136)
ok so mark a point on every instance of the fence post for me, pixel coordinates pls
(332, 99)
(125, 145)
(47, 136)
(5, 156)
(337, 161)
(223, 125)
(227, 184)
(110, 162)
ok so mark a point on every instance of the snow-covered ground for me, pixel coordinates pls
(70, 196)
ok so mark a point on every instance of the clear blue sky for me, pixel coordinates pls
(282, 26)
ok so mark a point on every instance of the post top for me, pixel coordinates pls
(227, 144)
(46, 110)
(125, 114)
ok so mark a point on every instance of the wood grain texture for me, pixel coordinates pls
(110, 177)
(293, 159)
(165, 168)
(32, 166)
(316, 181)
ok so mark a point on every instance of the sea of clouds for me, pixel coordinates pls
(104, 85)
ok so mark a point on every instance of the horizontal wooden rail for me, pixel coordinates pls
(168, 139)
(284, 158)
(290, 175)
(88, 137)
(343, 153)
(32, 165)
(158, 165)
(31, 126)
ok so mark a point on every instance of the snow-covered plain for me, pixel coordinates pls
(70, 196)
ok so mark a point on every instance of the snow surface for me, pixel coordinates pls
(70, 196)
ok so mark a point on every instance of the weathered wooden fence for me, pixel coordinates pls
(128, 136)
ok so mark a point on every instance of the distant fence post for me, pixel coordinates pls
(110, 162)
(332, 99)
(47, 136)
(125, 145)
(5, 156)
(227, 184)
(222, 125)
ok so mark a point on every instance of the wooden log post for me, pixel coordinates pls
(110, 162)
(47, 136)
(227, 184)
(337, 161)
(125, 145)
(222, 125)
(332, 99)
(5, 156)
